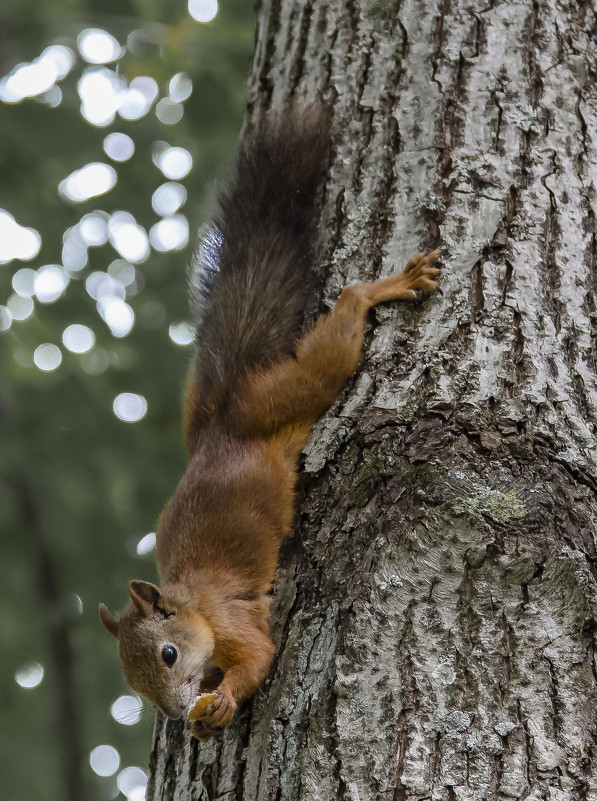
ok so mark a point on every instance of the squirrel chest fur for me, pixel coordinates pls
(200, 643)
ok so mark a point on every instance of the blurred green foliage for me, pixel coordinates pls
(80, 487)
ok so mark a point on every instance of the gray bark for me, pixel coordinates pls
(436, 605)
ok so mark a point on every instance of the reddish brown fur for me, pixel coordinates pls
(219, 537)
(247, 418)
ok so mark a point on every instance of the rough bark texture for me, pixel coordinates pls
(436, 606)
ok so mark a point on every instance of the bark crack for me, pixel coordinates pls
(266, 85)
(298, 66)
(528, 740)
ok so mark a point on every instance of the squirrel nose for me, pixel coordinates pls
(173, 713)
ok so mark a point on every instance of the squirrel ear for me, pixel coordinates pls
(108, 621)
(144, 595)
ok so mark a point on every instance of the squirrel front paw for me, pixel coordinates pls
(212, 711)
(199, 731)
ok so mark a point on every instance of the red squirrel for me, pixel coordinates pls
(259, 383)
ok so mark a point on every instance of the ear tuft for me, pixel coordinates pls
(109, 623)
(144, 595)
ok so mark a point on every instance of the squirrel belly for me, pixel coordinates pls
(200, 643)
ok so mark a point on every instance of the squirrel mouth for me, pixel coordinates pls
(205, 683)
(172, 714)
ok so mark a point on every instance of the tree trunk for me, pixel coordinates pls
(436, 605)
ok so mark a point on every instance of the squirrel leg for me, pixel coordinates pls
(294, 393)
(245, 665)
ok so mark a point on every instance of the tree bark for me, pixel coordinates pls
(436, 605)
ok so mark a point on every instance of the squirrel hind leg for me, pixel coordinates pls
(417, 275)
(296, 392)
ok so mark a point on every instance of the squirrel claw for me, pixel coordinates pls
(199, 731)
(420, 274)
(212, 711)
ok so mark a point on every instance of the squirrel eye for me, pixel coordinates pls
(169, 654)
(163, 612)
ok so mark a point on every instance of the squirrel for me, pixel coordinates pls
(200, 643)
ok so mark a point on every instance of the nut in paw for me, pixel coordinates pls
(202, 701)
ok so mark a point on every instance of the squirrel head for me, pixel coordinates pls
(165, 647)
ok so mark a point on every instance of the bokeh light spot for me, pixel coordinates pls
(175, 162)
(62, 57)
(170, 234)
(78, 338)
(138, 98)
(100, 286)
(101, 92)
(168, 111)
(49, 283)
(16, 241)
(132, 782)
(130, 407)
(52, 98)
(94, 229)
(37, 77)
(104, 760)
(180, 87)
(119, 146)
(126, 709)
(19, 308)
(203, 10)
(74, 250)
(168, 198)
(22, 282)
(117, 314)
(30, 675)
(27, 80)
(5, 318)
(47, 357)
(90, 181)
(146, 544)
(127, 237)
(98, 46)
(182, 333)
(122, 271)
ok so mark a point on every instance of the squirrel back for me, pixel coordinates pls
(253, 271)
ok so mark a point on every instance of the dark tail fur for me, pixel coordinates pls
(254, 270)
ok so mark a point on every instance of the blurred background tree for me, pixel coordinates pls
(114, 119)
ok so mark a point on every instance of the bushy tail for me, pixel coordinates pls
(254, 270)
